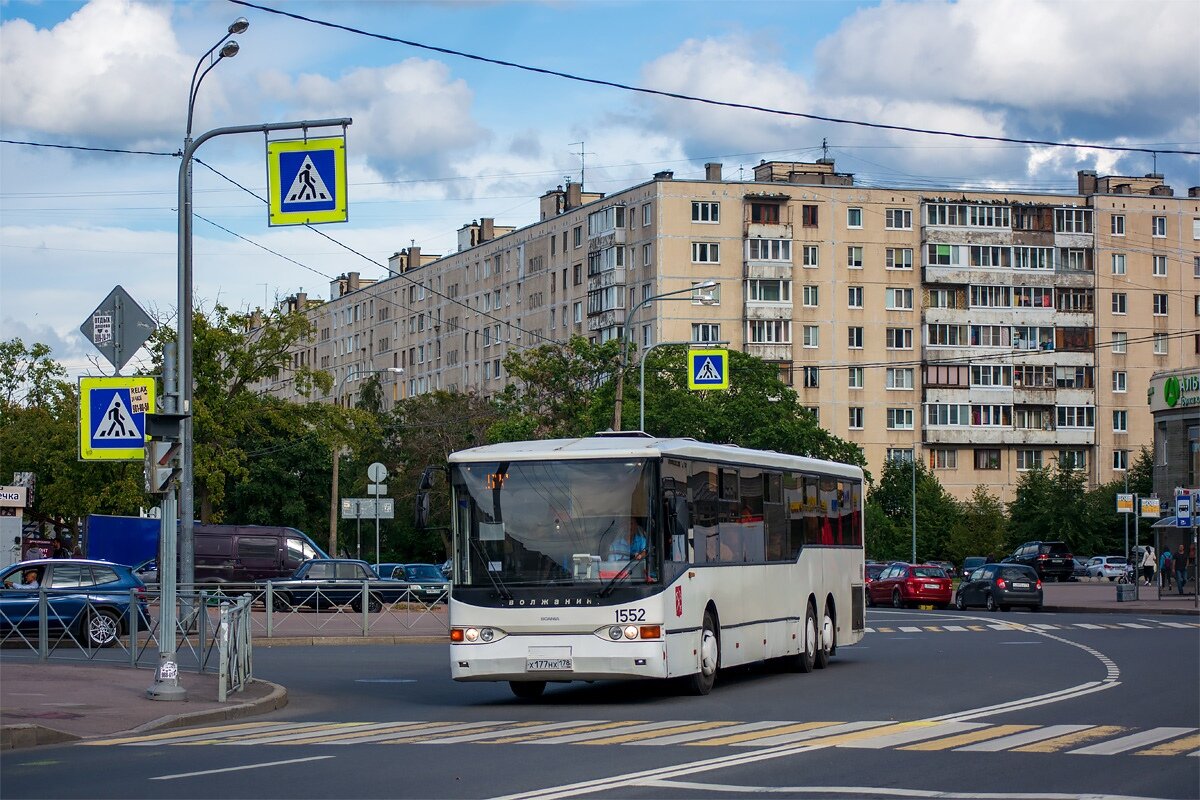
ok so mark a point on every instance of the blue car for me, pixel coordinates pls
(87, 600)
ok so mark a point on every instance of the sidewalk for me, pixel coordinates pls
(45, 703)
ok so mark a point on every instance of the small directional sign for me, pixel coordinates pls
(306, 180)
(708, 369)
(112, 418)
(118, 327)
(1184, 508)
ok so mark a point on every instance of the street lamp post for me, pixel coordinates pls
(642, 376)
(166, 674)
(337, 455)
(706, 299)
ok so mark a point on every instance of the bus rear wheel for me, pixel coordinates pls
(827, 642)
(803, 661)
(527, 690)
(702, 682)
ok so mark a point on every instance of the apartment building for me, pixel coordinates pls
(986, 332)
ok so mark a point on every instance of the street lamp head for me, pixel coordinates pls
(709, 284)
(230, 50)
(395, 370)
(239, 25)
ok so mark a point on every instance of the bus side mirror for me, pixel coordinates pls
(424, 485)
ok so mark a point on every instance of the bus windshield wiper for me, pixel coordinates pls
(622, 573)
(501, 589)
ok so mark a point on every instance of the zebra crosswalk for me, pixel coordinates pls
(916, 735)
(1027, 626)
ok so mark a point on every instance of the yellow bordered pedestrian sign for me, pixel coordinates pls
(306, 181)
(112, 418)
(708, 369)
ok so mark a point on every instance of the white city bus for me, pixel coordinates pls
(748, 555)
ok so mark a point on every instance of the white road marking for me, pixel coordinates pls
(693, 787)
(1177, 625)
(955, 628)
(815, 733)
(714, 733)
(408, 733)
(238, 769)
(910, 629)
(1021, 739)
(500, 734)
(1133, 625)
(1089, 626)
(1130, 742)
(184, 737)
(913, 735)
(604, 734)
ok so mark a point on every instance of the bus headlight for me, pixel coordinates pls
(486, 635)
(483, 635)
(631, 632)
(471, 634)
(614, 633)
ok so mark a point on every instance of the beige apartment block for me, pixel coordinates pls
(985, 332)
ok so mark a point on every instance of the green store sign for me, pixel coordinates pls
(1181, 392)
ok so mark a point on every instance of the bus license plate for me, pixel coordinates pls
(549, 659)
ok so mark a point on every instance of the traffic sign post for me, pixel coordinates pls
(378, 474)
(118, 328)
(112, 418)
(708, 369)
(306, 179)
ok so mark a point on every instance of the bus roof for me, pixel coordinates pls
(639, 446)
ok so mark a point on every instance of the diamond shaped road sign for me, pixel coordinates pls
(118, 327)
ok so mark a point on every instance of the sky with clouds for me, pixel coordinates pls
(439, 140)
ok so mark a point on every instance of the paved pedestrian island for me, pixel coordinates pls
(919, 735)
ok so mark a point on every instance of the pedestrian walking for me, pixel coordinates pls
(1148, 565)
(1165, 569)
(1180, 562)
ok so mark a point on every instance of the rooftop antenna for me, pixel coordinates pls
(824, 149)
(1154, 156)
(582, 159)
(741, 170)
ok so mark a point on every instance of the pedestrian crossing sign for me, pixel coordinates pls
(112, 418)
(306, 180)
(708, 369)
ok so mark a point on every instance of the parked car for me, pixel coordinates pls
(1111, 567)
(872, 572)
(1079, 569)
(385, 571)
(88, 599)
(1000, 586)
(1051, 560)
(328, 582)
(448, 567)
(901, 585)
(972, 563)
(945, 565)
(425, 583)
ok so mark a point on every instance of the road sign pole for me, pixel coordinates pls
(376, 532)
(358, 529)
(166, 674)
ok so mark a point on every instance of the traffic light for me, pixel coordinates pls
(162, 465)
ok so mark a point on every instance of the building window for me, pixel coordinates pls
(706, 253)
(1160, 266)
(1119, 380)
(854, 296)
(900, 378)
(1118, 263)
(1160, 305)
(646, 214)
(1120, 342)
(854, 379)
(708, 296)
(578, 236)
(1160, 344)
(812, 336)
(991, 375)
(769, 249)
(706, 212)
(1158, 227)
(1196, 267)
(903, 455)
(855, 421)
(943, 458)
(899, 299)
(1072, 459)
(1118, 303)
(1120, 421)
(947, 414)
(1120, 460)
(1075, 416)
(769, 331)
(899, 419)
(706, 332)
(770, 290)
(897, 219)
(853, 217)
(1028, 459)
(812, 377)
(647, 254)
(854, 337)
(854, 257)
(810, 296)
(987, 458)
(898, 258)
(1118, 224)
(810, 254)
(1072, 220)
(577, 311)
(808, 216)
(764, 213)
(899, 339)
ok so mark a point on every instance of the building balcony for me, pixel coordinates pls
(758, 310)
(605, 319)
(763, 230)
(602, 280)
(605, 240)
(959, 234)
(770, 352)
(770, 270)
(980, 436)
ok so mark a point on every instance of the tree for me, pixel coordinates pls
(980, 530)
(936, 512)
(29, 377)
(1049, 505)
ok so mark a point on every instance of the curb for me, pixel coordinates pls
(23, 735)
(1184, 612)
(291, 641)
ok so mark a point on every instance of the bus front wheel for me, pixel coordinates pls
(527, 690)
(702, 682)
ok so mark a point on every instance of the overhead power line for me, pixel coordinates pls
(705, 100)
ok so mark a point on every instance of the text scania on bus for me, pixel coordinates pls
(661, 558)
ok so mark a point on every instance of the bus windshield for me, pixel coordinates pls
(568, 522)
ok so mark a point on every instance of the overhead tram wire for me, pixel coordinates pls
(704, 100)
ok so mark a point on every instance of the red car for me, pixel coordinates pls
(902, 585)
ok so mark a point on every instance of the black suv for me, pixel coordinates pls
(1051, 560)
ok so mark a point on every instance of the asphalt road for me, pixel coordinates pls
(929, 703)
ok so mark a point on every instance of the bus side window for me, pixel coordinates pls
(702, 494)
(774, 517)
